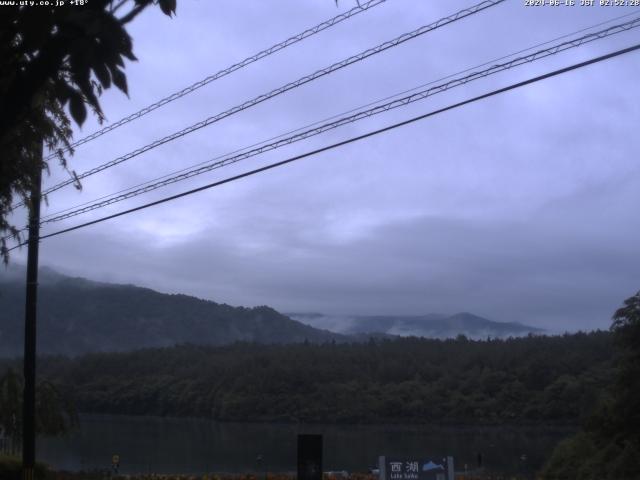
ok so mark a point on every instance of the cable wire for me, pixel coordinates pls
(346, 142)
(421, 95)
(208, 166)
(222, 73)
(285, 88)
(318, 122)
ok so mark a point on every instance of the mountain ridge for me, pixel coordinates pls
(432, 325)
(77, 316)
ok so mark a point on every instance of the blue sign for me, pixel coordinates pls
(392, 468)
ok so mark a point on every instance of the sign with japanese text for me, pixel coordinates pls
(392, 468)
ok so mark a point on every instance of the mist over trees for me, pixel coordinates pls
(108, 317)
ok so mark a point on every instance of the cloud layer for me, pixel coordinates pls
(518, 208)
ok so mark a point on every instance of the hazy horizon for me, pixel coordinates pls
(338, 322)
(517, 208)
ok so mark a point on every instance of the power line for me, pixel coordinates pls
(318, 122)
(348, 141)
(421, 95)
(285, 88)
(208, 166)
(222, 73)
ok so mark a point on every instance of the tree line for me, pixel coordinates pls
(533, 379)
(608, 445)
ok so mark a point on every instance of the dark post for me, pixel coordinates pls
(309, 457)
(29, 399)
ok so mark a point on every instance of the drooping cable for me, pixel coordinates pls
(222, 73)
(348, 141)
(414, 97)
(336, 116)
(278, 91)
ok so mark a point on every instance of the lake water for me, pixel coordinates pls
(177, 445)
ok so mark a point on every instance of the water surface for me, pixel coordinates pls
(178, 445)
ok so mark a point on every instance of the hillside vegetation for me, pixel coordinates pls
(532, 379)
(429, 326)
(77, 316)
(608, 447)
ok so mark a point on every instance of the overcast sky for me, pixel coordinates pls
(523, 207)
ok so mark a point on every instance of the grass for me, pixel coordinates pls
(10, 469)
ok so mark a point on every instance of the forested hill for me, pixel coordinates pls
(429, 326)
(540, 379)
(77, 316)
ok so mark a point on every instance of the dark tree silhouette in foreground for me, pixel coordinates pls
(55, 413)
(56, 61)
(609, 445)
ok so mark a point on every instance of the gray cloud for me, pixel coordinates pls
(542, 269)
(519, 208)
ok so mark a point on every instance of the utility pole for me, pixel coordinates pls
(29, 398)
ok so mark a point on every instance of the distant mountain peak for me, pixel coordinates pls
(429, 325)
(78, 315)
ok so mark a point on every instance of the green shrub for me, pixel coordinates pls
(11, 469)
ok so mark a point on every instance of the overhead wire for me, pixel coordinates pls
(485, 4)
(417, 96)
(492, 93)
(208, 166)
(332, 117)
(226, 71)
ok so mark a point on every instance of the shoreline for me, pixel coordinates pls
(464, 425)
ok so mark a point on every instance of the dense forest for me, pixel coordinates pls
(531, 379)
(608, 446)
(105, 317)
(110, 317)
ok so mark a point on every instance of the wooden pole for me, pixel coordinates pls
(29, 399)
